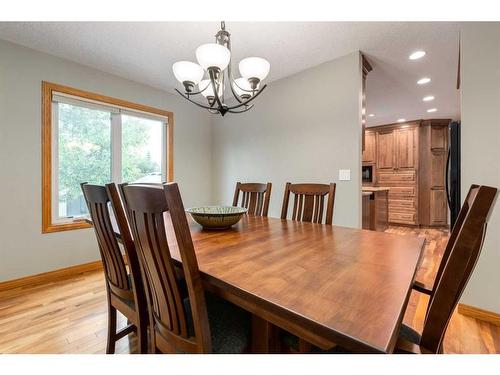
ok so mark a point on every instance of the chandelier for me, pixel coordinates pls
(215, 59)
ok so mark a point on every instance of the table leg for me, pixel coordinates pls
(265, 336)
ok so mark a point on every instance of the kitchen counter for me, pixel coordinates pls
(375, 208)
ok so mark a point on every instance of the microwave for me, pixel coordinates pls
(367, 174)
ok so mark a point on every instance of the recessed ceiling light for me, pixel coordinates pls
(423, 81)
(432, 110)
(428, 98)
(371, 115)
(401, 120)
(417, 55)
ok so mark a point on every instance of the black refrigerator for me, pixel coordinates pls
(453, 172)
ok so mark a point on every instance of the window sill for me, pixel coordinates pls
(52, 228)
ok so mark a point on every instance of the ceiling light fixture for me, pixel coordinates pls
(417, 55)
(432, 110)
(423, 81)
(401, 120)
(215, 60)
(371, 115)
(428, 98)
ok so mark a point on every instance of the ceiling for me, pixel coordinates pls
(145, 51)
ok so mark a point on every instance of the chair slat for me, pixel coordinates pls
(309, 202)
(255, 197)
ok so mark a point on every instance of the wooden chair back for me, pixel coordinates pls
(115, 271)
(147, 207)
(254, 197)
(464, 210)
(125, 289)
(309, 202)
(463, 251)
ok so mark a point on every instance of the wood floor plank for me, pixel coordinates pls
(69, 315)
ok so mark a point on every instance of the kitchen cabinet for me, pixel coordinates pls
(406, 148)
(410, 160)
(433, 151)
(397, 169)
(375, 208)
(369, 154)
(385, 150)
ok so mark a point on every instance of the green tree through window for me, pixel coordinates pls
(85, 152)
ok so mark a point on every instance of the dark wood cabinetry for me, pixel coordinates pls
(369, 153)
(375, 208)
(397, 169)
(385, 150)
(433, 152)
(410, 160)
(406, 148)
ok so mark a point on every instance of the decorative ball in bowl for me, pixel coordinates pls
(217, 217)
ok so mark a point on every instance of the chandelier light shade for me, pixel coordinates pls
(188, 73)
(254, 67)
(242, 88)
(212, 55)
(214, 75)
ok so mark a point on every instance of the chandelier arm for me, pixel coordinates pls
(192, 101)
(198, 92)
(215, 88)
(249, 100)
(232, 80)
(242, 89)
(246, 109)
(236, 96)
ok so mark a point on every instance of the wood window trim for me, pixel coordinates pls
(47, 89)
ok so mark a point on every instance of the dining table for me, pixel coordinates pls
(328, 285)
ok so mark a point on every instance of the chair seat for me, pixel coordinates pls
(230, 326)
(292, 341)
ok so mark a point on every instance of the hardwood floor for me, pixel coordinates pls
(69, 316)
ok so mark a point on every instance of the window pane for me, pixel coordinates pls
(141, 149)
(84, 155)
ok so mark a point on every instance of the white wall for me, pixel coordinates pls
(480, 101)
(303, 128)
(23, 249)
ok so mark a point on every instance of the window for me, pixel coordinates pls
(96, 139)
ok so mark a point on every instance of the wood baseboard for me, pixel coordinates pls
(480, 314)
(50, 276)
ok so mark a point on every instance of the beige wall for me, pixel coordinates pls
(480, 103)
(23, 249)
(303, 128)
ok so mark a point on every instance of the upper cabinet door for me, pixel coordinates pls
(385, 149)
(369, 153)
(438, 138)
(406, 145)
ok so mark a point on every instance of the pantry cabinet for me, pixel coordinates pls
(410, 160)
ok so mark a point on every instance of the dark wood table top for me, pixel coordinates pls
(327, 284)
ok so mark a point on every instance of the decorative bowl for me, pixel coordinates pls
(216, 217)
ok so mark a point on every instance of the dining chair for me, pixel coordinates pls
(463, 248)
(308, 206)
(254, 197)
(124, 289)
(421, 286)
(200, 323)
(462, 253)
(309, 202)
